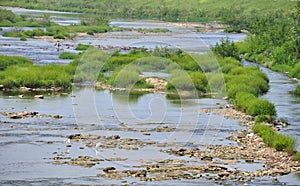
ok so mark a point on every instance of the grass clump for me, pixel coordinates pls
(297, 156)
(279, 141)
(82, 47)
(68, 55)
(297, 90)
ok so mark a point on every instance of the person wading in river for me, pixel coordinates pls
(57, 45)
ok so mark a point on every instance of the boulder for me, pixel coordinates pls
(39, 96)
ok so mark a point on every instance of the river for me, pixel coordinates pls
(28, 146)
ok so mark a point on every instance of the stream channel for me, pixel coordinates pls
(28, 145)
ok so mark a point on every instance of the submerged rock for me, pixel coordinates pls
(39, 96)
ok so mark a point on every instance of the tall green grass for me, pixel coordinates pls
(32, 76)
(6, 61)
(273, 139)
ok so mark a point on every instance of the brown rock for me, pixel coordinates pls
(108, 169)
(39, 96)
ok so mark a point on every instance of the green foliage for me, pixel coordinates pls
(295, 72)
(23, 38)
(82, 47)
(264, 118)
(279, 141)
(297, 156)
(261, 107)
(226, 49)
(297, 90)
(37, 76)
(228, 63)
(199, 80)
(59, 36)
(282, 68)
(243, 100)
(6, 61)
(68, 55)
(153, 30)
(180, 80)
(230, 12)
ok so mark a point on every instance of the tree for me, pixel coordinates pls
(226, 49)
(296, 30)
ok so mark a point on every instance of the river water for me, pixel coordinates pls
(28, 145)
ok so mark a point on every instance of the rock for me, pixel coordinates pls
(241, 135)
(1, 87)
(249, 160)
(223, 174)
(115, 137)
(39, 96)
(207, 158)
(21, 96)
(57, 116)
(14, 116)
(109, 169)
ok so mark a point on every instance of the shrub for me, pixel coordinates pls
(226, 49)
(199, 80)
(261, 107)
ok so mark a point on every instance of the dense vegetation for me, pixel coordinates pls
(89, 24)
(18, 72)
(279, 141)
(175, 10)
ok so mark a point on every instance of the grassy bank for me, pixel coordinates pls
(20, 72)
(273, 139)
(177, 10)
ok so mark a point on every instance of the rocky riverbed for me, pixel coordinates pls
(246, 159)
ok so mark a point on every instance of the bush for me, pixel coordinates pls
(226, 49)
(261, 107)
(199, 80)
